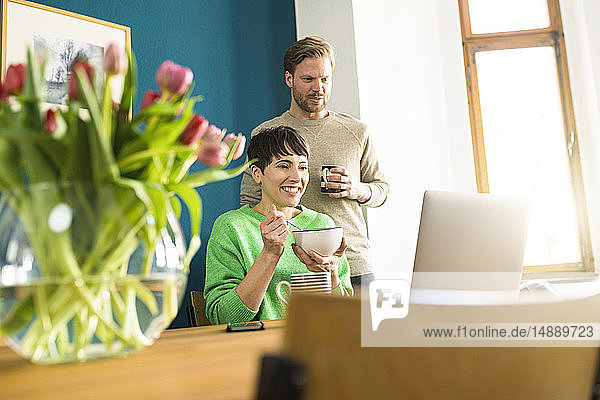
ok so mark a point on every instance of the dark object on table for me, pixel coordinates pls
(281, 378)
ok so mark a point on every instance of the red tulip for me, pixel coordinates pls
(13, 81)
(114, 62)
(239, 149)
(173, 78)
(82, 65)
(194, 130)
(50, 124)
(149, 98)
(212, 153)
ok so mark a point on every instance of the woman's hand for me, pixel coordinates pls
(318, 263)
(274, 232)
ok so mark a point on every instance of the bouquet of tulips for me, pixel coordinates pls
(127, 173)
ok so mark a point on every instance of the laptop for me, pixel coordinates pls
(470, 248)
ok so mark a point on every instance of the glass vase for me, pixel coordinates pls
(87, 271)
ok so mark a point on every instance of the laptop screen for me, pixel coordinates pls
(471, 241)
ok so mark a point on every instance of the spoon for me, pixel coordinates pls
(300, 229)
(289, 222)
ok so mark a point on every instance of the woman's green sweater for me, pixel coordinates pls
(234, 245)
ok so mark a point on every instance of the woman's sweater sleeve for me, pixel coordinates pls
(345, 287)
(224, 272)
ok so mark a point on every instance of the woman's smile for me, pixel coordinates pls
(292, 189)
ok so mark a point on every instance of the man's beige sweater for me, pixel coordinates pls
(337, 139)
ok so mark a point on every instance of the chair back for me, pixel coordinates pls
(199, 306)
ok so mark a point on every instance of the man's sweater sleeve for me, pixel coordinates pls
(372, 175)
(224, 272)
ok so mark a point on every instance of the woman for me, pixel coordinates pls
(250, 249)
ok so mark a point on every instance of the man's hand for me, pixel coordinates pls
(351, 188)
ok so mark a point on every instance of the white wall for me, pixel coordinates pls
(582, 38)
(333, 21)
(411, 81)
(416, 110)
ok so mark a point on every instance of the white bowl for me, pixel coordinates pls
(324, 241)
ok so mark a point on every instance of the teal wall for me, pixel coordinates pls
(235, 49)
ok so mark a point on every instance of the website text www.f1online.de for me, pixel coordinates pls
(515, 331)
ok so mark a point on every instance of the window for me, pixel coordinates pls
(522, 124)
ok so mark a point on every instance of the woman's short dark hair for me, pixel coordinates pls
(275, 142)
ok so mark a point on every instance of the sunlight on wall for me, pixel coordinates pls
(411, 82)
(582, 39)
(404, 101)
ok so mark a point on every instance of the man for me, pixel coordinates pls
(334, 139)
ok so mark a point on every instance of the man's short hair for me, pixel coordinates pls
(310, 46)
(275, 142)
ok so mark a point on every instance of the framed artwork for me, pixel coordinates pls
(61, 37)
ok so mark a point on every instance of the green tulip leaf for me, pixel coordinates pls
(214, 174)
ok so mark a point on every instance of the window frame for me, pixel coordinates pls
(551, 36)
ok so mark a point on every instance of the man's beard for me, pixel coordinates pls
(304, 105)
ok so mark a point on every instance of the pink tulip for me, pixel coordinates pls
(50, 124)
(13, 81)
(114, 60)
(194, 130)
(149, 98)
(214, 134)
(212, 153)
(173, 78)
(85, 66)
(239, 149)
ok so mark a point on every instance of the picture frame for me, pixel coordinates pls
(61, 37)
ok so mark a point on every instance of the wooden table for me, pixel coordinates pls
(191, 363)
